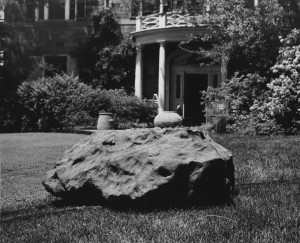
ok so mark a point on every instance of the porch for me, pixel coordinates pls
(170, 74)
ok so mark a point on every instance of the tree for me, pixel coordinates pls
(107, 59)
(103, 31)
(115, 65)
(16, 67)
(247, 38)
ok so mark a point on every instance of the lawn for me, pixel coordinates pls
(266, 209)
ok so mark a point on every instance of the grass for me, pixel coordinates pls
(267, 208)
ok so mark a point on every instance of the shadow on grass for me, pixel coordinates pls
(144, 205)
(54, 206)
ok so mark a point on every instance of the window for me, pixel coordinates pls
(106, 3)
(151, 7)
(215, 81)
(72, 9)
(77, 9)
(41, 11)
(55, 65)
(80, 9)
(135, 8)
(30, 11)
(178, 86)
(56, 9)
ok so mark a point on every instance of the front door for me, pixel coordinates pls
(193, 109)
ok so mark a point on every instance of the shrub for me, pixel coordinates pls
(284, 101)
(60, 103)
(240, 93)
(129, 111)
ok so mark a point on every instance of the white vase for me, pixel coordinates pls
(167, 119)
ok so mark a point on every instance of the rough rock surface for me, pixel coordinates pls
(144, 166)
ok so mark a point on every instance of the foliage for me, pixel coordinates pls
(103, 31)
(245, 37)
(265, 106)
(115, 66)
(129, 111)
(106, 60)
(283, 103)
(240, 93)
(17, 65)
(60, 103)
(250, 40)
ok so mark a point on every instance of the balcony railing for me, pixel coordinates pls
(174, 19)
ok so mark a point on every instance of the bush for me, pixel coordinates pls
(284, 101)
(129, 111)
(62, 103)
(240, 93)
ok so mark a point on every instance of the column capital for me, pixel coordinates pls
(139, 46)
(162, 42)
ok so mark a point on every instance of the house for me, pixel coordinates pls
(164, 69)
(53, 29)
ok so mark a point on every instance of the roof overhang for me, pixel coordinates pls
(168, 34)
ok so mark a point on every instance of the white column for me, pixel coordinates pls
(1, 13)
(138, 85)
(36, 13)
(162, 77)
(67, 10)
(139, 23)
(223, 71)
(46, 11)
(255, 3)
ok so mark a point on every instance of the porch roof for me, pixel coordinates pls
(167, 34)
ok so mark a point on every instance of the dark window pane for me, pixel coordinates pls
(80, 9)
(41, 11)
(72, 9)
(178, 86)
(151, 7)
(55, 65)
(57, 9)
(135, 7)
(30, 11)
(215, 80)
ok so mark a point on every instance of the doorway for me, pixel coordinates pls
(193, 109)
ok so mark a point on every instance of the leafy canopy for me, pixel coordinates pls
(107, 59)
(247, 38)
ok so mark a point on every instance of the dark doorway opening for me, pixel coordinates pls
(194, 84)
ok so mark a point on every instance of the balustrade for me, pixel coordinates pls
(174, 19)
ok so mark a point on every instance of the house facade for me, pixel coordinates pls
(54, 29)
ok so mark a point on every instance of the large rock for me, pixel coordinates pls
(144, 166)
